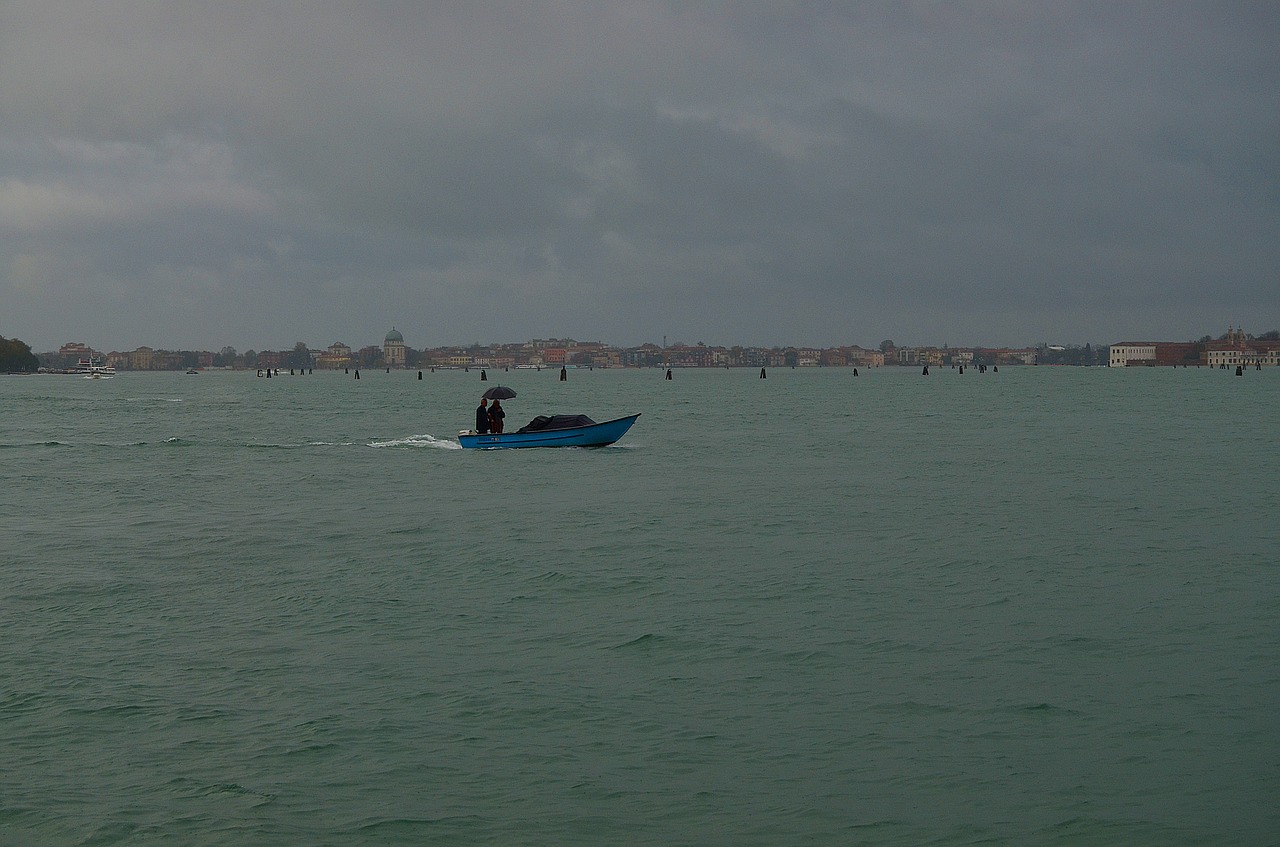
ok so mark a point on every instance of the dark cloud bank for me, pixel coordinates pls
(200, 174)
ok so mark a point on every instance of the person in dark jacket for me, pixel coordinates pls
(496, 414)
(482, 417)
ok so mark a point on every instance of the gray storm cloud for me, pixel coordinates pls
(182, 174)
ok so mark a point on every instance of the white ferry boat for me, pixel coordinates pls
(93, 369)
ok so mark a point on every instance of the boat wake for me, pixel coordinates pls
(301, 445)
(418, 441)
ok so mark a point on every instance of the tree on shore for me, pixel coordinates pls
(16, 357)
(298, 357)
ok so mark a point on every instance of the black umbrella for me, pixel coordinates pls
(498, 392)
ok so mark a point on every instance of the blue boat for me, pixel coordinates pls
(554, 431)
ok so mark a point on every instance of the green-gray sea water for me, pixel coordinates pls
(1037, 606)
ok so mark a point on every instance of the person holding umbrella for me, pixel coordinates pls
(496, 414)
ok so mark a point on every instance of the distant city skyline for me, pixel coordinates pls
(663, 342)
(809, 174)
(1233, 348)
(1069, 339)
(398, 339)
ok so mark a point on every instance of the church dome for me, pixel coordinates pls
(393, 335)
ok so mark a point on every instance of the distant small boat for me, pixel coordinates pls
(553, 431)
(193, 371)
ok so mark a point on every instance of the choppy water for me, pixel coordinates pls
(1039, 606)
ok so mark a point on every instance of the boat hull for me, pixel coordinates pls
(595, 435)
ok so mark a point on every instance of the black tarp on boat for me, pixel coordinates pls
(543, 423)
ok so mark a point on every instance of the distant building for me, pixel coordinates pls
(1237, 348)
(644, 356)
(338, 355)
(858, 357)
(393, 349)
(689, 357)
(1025, 355)
(931, 356)
(76, 350)
(1268, 357)
(1227, 356)
(1174, 353)
(142, 359)
(1231, 350)
(1129, 353)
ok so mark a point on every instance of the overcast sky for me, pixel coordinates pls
(201, 174)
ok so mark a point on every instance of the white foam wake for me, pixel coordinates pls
(418, 441)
